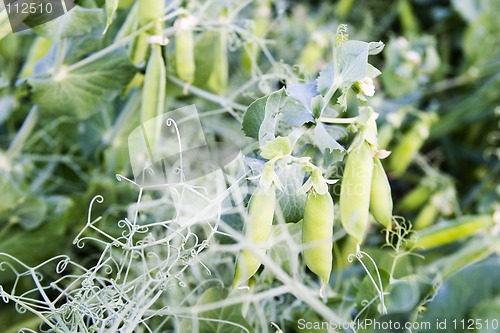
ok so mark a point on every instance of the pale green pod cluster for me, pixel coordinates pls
(257, 233)
(317, 234)
(380, 196)
(355, 191)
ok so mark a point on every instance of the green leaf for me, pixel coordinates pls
(304, 93)
(335, 156)
(352, 59)
(90, 133)
(273, 107)
(262, 116)
(37, 245)
(325, 79)
(11, 320)
(348, 67)
(253, 117)
(403, 295)
(276, 147)
(298, 109)
(226, 319)
(350, 64)
(324, 140)
(11, 192)
(318, 105)
(31, 212)
(84, 89)
(295, 113)
(291, 203)
(487, 313)
(77, 22)
(456, 297)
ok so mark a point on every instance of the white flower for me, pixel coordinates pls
(367, 86)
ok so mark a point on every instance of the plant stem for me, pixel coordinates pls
(327, 120)
(330, 93)
(22, 135)
(207, 95)
(227, 302)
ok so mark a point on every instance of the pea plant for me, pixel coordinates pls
(244, 166)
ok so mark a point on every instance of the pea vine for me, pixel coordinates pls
(204, 230)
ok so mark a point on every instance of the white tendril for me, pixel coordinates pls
(180, 170)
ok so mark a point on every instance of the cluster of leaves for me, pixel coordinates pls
(70, 94)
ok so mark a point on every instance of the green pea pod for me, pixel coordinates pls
(139, 50)
(125, 3)
(475, 251)
(410, 144)
(155, 80)
(257, 233)
(317, 233)
(449, 232)
(407, 17)
(218, 79)
(380, 196)
(414, 199)
(408, 147)
(355, 191)
(385, 134)
(184, 49)
(262, 19)
(151, 10)
(426, 217)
